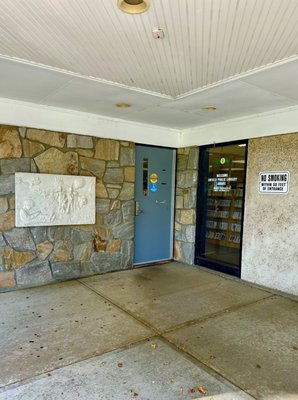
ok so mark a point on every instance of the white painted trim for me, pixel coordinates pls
(276, 122)
(86, 77)
(173, 204)
(236, 77)
(31, 115)
(13, 112)
(148, 92)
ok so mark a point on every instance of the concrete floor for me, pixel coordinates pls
(163, 332)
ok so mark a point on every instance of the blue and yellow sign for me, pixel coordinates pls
(153, 178)
(153, 187)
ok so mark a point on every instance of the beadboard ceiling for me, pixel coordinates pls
(87, 55)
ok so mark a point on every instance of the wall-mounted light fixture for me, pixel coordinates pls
(133, 6)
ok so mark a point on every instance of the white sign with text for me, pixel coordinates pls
(274, 182)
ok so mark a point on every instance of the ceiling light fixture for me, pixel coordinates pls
(133, 6)
(123, 105)
(209, 108)
(158, 33)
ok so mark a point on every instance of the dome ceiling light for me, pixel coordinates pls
(133, 6)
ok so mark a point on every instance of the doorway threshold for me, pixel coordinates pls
(148, 264)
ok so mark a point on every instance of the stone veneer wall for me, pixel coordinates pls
(186, 200)
(270, 232)
(39, 255)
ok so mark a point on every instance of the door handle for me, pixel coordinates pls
(138, 210)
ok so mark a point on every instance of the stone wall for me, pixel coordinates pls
(270, 234)
(39, 255)
(186, 200)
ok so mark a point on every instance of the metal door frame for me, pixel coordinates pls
(172, 222)
(199, 260)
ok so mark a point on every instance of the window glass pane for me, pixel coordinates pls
(145, 176)
(222, 198)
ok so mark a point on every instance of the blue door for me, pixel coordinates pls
(154, 204)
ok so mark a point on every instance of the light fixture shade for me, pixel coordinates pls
(133, 6)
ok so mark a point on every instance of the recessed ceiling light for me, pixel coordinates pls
(134, 6)
(209, 108)
(123, 105)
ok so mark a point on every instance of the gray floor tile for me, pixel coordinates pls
(150, 370)
(51, 326)
(171, 297)
(254, 347)
(76, 338)
(148, 282)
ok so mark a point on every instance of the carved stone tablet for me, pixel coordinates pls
(47, 199)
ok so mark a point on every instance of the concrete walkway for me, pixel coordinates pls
(163, 332)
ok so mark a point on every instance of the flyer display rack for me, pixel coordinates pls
(224, 216)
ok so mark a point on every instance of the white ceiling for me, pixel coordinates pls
(86, 55)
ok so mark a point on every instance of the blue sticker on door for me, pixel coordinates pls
(153, 187)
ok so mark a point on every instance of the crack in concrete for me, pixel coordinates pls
(181, 350)
(215, 315)
(121, 308)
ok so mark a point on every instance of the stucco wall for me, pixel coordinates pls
(270, 240)
(38, 255)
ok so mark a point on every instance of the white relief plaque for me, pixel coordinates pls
(47, 199)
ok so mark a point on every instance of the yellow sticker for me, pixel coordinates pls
(153, 178)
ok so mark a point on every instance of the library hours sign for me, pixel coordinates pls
(274, 182)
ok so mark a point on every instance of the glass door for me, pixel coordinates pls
(222, 174)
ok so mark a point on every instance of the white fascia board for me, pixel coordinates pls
(31, 115)
(276, 122)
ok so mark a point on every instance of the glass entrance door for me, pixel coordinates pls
(220, 207)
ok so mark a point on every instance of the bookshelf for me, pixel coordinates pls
(224, 216)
